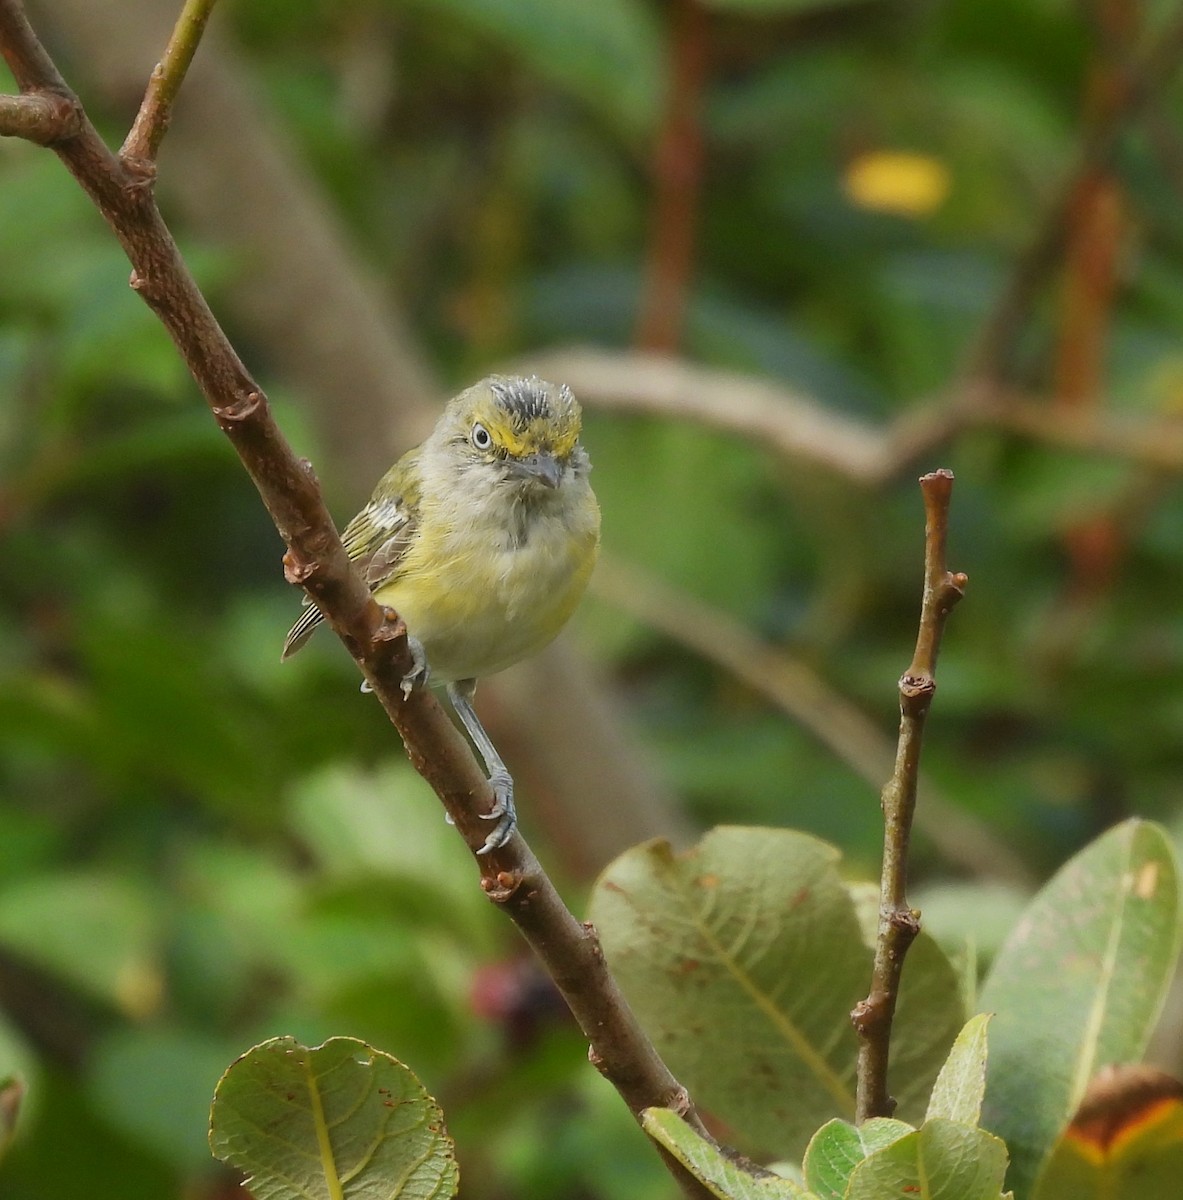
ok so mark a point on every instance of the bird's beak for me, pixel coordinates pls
(544, 468)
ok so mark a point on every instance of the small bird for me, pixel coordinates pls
(482, 539)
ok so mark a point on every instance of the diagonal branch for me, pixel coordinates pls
(898, 923)
(316, 560)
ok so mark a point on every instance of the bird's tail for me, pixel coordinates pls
(301, 631)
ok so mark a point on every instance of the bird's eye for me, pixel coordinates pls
(481, 438)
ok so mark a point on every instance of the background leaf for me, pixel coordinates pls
(743, 959)
(1078, 985)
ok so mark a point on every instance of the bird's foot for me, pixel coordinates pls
(417, 676)
(503, 812)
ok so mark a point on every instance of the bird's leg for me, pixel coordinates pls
(503, 811)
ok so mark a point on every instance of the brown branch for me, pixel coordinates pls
(43, 117)
(807, 698)
(799, 427)
(762, 411)
(376, 639)
(677, 178)
(898, 923)
(151, 123)
(1134, 84)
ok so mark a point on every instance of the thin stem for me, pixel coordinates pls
(898, 923)
(151, 123)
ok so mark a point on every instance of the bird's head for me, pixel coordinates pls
(523, 429)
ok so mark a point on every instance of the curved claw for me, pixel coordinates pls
(503, 812)
(418, 674)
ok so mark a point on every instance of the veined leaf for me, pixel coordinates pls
(1078, 984)
(743, 958)
(341, 1121)
(942, 1160)
(838, 1147)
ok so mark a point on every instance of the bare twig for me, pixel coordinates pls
(807, 698)
(375, 638)
(43, 118)
(151, 123)
(898, 923)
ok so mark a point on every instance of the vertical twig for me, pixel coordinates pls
(678, 167)
(899, 924)
(1094, 234)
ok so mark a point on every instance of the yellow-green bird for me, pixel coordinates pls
(482, 539)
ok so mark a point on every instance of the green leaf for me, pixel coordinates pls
(838, 1147)
(155, 1084)
(743, 959)
(961, 1085)
(95, 930)
(943, 1160)
(1078, 984)
(608, 53)
(723, 1176)
(341, 1121)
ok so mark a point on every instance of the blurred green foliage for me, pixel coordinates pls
(200, 849)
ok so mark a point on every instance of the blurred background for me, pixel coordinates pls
(790, 254)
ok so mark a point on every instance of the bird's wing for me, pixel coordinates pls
(376, 540)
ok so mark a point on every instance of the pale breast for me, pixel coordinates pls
(491, 601)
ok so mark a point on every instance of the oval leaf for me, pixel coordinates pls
(942, 1160)
(1079, 984)
(838, 1147)
(341, 1121)
(742, 958)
